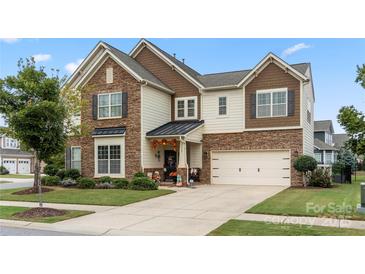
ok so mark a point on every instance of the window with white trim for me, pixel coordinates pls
(11, 143)
(76, 158)
(110, 105)
(109, 159)
(186, 108)
(222, 106)
(272, 103)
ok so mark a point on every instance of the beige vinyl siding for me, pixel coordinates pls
(233, 121)
(195, 155)
(156, 111)
(196, 135)
(308, 128)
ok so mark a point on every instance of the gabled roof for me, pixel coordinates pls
(175, 128)
(340, 139)
(322, 145)
(323, 125)
(17, 152)
(103, 50)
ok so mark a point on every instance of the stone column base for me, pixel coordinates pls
(182, 172)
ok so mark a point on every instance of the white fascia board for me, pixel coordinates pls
(148, 83)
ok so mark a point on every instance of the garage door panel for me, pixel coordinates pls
(251, 168)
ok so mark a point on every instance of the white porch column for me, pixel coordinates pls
(182, 154)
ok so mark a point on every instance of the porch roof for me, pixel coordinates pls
(175, 128)
(322, 145)
(108, 131)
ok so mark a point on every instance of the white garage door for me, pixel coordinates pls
(10, 164)
(23, 166)
(251, 168)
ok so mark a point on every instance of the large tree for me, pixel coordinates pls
(353, 120)
(30, 102)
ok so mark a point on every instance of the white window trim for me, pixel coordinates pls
(223, 115)
(185, 99)
(109, 142)
(271, 91)
(109, 105)
(6, 145)
(72, 147)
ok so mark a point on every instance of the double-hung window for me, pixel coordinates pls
(110, 105)
(109, 159)
(222, 106)
(186, 108)
(11, 143)
(272, 103)
(76, 158)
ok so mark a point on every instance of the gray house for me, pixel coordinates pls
(325, 149)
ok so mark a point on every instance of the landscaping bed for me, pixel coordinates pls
(339, 201)
(43, 215)
(255, 228)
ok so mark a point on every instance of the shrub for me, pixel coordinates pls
(142, 183)
(320, 178)
(61, 173)
(68, 182)
(121, 183)
(305, 164)
(50, 170)
(86, 182)
(72, 173)
(105, 179)
(337, 168)
(104, 186)
(50, 180)
(139, 175)
(3, 170)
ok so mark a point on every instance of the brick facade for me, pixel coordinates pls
(170, 77)
(122, 82)
(254, 140)
(270, 78)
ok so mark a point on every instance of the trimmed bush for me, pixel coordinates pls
(50, 180)
(72, 173)
(305, 163)
(50, 170)
(142, 183)
(61, 173)
(86, 182)
(104, 186)
(320, 178)
(68, 182)
(139, 175)
(105, 179)
(121, 183)
(3, 170)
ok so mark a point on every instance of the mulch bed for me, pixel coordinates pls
(40, 212)
(32, 191)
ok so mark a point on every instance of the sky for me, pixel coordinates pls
(333, 61)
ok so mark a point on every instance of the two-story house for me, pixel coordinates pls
(13, 158)
(325, 150)
(147, 111)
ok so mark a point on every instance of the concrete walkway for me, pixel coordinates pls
(187, 212)
(302, 220)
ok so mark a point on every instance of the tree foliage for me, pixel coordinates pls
(361, 75)
(305, 164)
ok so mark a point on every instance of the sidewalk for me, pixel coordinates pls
(302, 220)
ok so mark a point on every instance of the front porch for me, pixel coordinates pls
(176, 149)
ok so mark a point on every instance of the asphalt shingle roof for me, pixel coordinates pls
(322, 145)
(17, 152)
(109, 131)
(340, 139)
(175, 128)
(325, 125)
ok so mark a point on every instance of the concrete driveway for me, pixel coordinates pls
(187, 212)
(7, 183)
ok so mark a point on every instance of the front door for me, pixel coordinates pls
(170, 165)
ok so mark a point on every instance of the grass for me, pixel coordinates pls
(16, 176)
(4, 182)
(7, 212)
(254, 228)
(338, 202)
(109, 197)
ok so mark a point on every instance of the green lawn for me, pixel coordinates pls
(110, 197)
(7, 212)
(17, 176)
(339, 201)
(253, 228)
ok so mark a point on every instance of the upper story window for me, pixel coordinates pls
(110, 105)
(272, 103)
(328, 138)
(10, 143)
(222, 106)
(186, 108)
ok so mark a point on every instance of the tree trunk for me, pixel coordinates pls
(37, 179)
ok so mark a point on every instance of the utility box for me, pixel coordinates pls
(363, 195)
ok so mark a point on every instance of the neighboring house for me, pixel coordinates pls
(13, 158)
(340, 139)
(148, 111)
(325, 150)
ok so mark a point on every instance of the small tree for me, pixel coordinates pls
(305, 164)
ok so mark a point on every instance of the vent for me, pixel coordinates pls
(109, 75)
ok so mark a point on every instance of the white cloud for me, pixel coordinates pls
(41, 57)
(71, 67)
(9, 40)
(295, 48)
